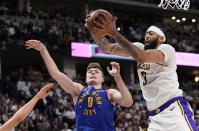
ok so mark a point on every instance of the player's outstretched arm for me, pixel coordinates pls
(104, 44)
(64, 81)
(23, 112)
(110, 48)
(123, 96)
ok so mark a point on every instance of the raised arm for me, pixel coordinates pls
(23, 112)
(123, 45)
(128, 48)
(103, 43)
(123, 96)
(64, 81)
(109, 47)
(142, 56)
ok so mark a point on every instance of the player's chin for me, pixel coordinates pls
(92, 82)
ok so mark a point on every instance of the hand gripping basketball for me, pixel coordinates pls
(97, 20)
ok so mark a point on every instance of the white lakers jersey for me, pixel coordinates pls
(159, 81)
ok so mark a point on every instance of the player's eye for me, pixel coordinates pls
(151, 33)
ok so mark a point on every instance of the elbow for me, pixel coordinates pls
(139, 56)
(129, 103)
(141, 59)
(55, 75)
(18, 119)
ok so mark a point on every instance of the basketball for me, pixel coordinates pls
(99, 65)
(94, 16)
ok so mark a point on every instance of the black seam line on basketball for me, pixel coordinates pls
(102, 16)
(98, 20)
(94, 24)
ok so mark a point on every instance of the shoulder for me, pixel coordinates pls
(139, 45)
(112, 91)
(113, 94)
(79, 87)
(169, 53)
(166, 46)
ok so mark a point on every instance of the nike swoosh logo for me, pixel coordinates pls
(172, 108)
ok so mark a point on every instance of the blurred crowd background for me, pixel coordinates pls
(57, 29)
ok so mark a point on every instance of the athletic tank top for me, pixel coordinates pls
(94, 111)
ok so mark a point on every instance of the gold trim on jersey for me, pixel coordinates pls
(183, 115)
(161, 64)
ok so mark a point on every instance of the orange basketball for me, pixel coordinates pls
(94, 16)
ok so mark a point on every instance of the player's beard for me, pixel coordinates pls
(151, 45)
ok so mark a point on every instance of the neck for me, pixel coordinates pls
(96, 86)
(159, 44)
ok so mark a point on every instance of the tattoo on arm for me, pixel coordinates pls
(119, 50)
(124, 43)
(103, 44)
(110, 48)
(133, 50)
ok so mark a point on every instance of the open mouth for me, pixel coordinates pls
(92, 77)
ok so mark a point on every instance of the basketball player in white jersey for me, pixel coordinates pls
(168, 111)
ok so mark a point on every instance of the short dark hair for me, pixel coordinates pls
(94, 65)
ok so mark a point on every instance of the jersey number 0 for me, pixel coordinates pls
(90, 101)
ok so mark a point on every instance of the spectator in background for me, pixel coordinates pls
(23, 112)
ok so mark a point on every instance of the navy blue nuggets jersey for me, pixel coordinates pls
(94, 111)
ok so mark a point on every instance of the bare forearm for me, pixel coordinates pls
(51, 66)
(20, 115)
(64, 81)
(110, 48)
(26, 109)
(103, 43)
(133, 50)
(126, 95)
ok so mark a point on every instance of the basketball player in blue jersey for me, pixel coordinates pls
(168, 111)
(23, 112)
(94, 106)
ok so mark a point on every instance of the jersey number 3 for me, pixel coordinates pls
(144, 77)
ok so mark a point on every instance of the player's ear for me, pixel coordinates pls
(161, 39)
